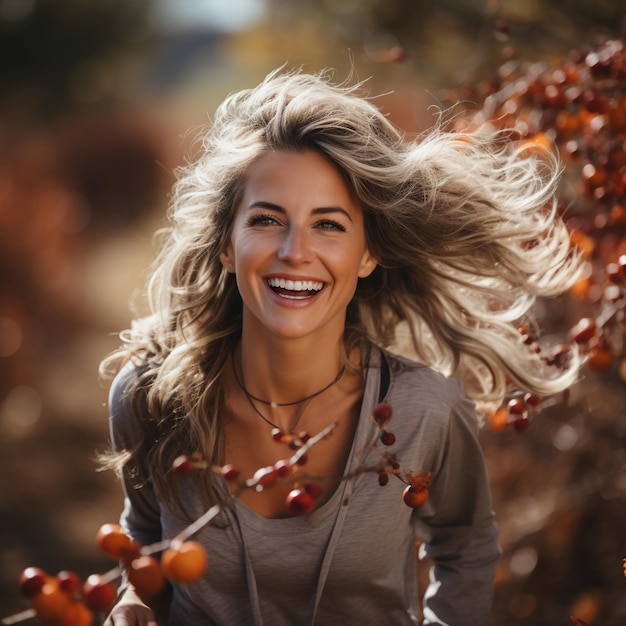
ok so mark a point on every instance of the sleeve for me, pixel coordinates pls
(141, 513)
(459, 531)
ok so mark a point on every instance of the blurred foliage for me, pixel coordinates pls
(57, 53)
(446, 40)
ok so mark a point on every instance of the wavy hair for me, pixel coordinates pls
(464, 227)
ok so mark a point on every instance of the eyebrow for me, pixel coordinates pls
(324, 210)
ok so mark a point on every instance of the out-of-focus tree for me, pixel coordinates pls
(59, 54)
(446, 36)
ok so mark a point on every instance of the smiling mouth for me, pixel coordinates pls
(295, 289)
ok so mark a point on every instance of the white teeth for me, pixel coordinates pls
(295, 285)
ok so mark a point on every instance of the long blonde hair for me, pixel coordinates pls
(464, 227)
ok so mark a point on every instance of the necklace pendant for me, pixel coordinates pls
(274, 405)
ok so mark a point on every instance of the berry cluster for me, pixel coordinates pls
(579, 109)
(301, 499)
(64, 600)
(416, 491)
(306, 490)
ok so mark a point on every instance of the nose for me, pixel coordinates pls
(295, 246)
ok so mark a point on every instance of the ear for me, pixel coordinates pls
(367, 265)
(228, 260)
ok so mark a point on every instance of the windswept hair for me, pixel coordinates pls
(464, 227)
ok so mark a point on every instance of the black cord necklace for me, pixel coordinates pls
(252, 398)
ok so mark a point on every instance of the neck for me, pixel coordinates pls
(283, 371)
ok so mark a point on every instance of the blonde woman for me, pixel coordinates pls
(308, 243)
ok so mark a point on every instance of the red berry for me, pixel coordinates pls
(32, 579)
(413, 498)
(99, 594)
(265, 476)
(382, 413)
(516, 406)
(283, 468)
(299, 502)
(532, 399)
(383, 478)
(182, 465)
(293, 442)
(230, 473)
(387, 438)
(302, 460)
(615, 273)
(278, 434)
(584, 330)
(521, 424)
(69, 582)
(304, 436)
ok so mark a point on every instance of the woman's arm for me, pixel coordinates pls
(459, 529)
(141, 514)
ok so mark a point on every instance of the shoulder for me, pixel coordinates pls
(430, 410)
(409, 378)
(125, 401)
(426, 401)
(124, 384)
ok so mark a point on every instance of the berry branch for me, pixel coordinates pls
(63, 600)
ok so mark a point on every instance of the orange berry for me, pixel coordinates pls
(600, 360)
(184, 562)
(51, 603)
(583, 242)
(113, 541)
(146, 576)
(413, 498)
(580, 289)
(499, 419)
(76, 615)
(539, 142)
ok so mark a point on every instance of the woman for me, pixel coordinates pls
(309, 244)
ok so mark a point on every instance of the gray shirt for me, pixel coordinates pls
(353, 560)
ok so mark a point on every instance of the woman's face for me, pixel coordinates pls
(297, 246)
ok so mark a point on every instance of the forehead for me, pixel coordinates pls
(287, 173)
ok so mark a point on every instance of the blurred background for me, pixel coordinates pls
(100, 101)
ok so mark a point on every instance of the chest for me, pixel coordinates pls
(361, 536)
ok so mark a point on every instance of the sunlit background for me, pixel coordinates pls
(99, 102)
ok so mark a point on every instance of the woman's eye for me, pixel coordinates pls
(263, 220)
(331, 225)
